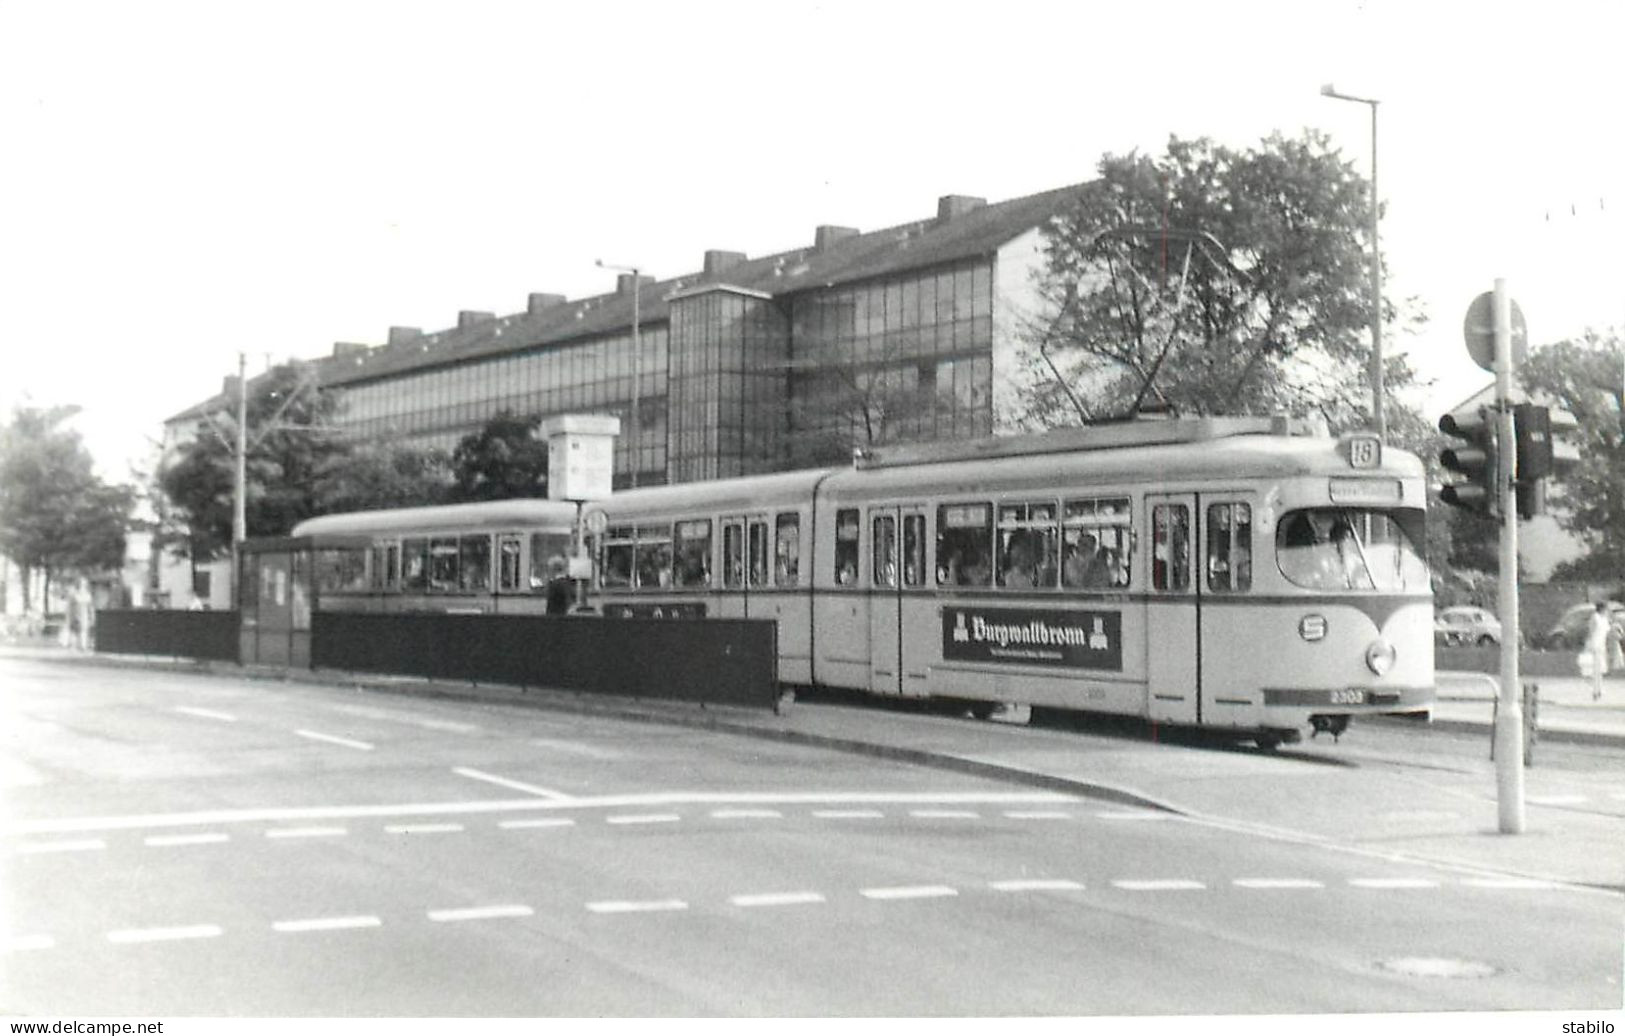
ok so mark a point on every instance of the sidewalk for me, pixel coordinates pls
(1353, 797)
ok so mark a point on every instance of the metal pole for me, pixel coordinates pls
(1509, 711)
(637, 372)
(1377, 377)
(239, 505)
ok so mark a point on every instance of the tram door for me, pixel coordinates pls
(1173, 633)
(885, 602)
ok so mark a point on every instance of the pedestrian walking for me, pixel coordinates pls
(1596, 647)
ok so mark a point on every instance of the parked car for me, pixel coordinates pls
(1465, 624)
(1569, 632)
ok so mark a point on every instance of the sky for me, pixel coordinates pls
(184, 182)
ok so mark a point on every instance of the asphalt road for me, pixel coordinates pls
(180, 845)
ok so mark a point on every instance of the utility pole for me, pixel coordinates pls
(1509, 711)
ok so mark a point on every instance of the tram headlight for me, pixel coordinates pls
(1380, 656)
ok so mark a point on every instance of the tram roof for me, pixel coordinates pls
(486, 514)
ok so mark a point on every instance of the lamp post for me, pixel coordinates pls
(637, 365)
(1376, 271)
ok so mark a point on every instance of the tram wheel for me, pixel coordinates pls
(1267, 742)
(983, 709)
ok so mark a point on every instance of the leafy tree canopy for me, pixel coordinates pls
(1232, 281)
(502, 461)
(379, 474)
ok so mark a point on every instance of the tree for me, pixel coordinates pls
(1583, 376)
(291, 442)
(1230, 281)
(382, 474)
(502, 461)
(55, 514)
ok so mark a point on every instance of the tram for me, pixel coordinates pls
(491, 557)
(1252, 575)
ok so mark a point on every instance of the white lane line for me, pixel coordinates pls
(1555, 800)
(908, 892)
(335, 740)
(538, 822)
(481, 913)
(421, 829)
(747, 814)
(1278, 883)
(1393, 883)
(1159, 885)
(210, 838)
(756, 899)
(945, 814)
(326, 924)
(1036, 885)
(629, 906)
(848, 814)
(206, 713)
(1510, 883)
(1131, 814)
(575, 748)
(1037, 814)
(74, 845)
(643, 818)
(450, 726)
(20, 943)
(196, 931)
(306, 832)
(491, 778)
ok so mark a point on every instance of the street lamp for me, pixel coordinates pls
(1376, 271)
(637, 364)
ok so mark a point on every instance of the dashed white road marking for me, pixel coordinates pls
(195, 931)
(1555, 800)
(629, 906)
(1158, 885)
(506, 782)
(757, 899)
(208, 838)
(421, 829)
(1036, 885)
(224, 717)
(537, 822)
(481, 913)
(306, 832)
(643, 818)
(20, 943)
(73, 845)
(945, 814)
(848, 814)
(326, 924)
(909, 892)
(575, 748)
(1393, 883)
(1037, 814)
(746, 814)
(333, 739)
(1278, 883)
(450, 726)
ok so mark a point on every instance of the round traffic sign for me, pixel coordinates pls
(1479, 330)
(597, 522)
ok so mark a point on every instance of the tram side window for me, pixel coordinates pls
(385, 567)
(846, 547)
(965, 545)
(474, 563)
(653, 556)
(1229, 548)
(546, 548)
(885, 550)
(415, 565)
(1096, 543)
(691, 548)
(616, 569)
(914, 550)
(341, 571)
(787, 549)
(758, 553)
(1027, 545)
(443, 563)
(1170, 547)
(508, 564)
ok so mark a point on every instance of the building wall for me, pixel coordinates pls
(1019, 311)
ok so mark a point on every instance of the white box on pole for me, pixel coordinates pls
(580, 456)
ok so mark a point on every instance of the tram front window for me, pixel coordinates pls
(1342, 548)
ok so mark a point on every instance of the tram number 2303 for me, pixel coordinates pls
(1348, 696)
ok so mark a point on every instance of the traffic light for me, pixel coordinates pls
(1477, 461)
(1540, 454)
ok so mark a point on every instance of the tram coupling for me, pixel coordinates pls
(1320, 723)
